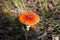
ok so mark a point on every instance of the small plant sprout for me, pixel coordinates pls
(28, 19)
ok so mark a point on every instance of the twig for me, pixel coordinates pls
(42, 35)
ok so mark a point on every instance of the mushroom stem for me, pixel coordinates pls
(28, 27)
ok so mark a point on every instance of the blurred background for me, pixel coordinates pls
(47, 29)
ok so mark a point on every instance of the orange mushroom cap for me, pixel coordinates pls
(29, 18)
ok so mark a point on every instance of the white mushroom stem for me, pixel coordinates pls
(28, 27)
(55, 37)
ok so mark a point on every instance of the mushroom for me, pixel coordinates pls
(5, 10)
(29, 18)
